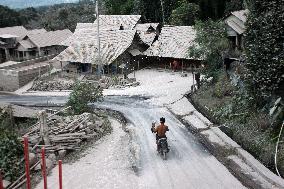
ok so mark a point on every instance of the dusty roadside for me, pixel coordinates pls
(242, 164)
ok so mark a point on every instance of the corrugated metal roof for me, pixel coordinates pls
(19, 31)
(173, 42)
(50, 38)
(145, 35)
(84, 49)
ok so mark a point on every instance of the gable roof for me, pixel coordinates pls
(146, 26)
(84, 49)
(237, 21)
(242, 14)
(37, 31)
(18, 31)
(51, 38)
(26, 44)
(115, 21)
(143, 31)
(173, 42)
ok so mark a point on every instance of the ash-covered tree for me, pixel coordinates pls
(185, 14)
(64, 16)
(264, 41)
(9, 17)
(210, 44)
(82, 94)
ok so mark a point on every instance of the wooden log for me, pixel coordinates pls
(15, 185)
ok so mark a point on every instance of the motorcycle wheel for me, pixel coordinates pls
(164, 155)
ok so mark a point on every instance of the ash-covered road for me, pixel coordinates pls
(189, 165)
(109, 164)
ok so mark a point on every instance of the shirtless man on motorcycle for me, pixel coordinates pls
(160, 131)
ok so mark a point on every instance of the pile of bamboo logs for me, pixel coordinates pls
(64, 133)
(58, 135)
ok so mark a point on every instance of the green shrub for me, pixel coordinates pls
(264, 48)
(82, 94)
(11, 151)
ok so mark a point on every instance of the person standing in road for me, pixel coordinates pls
(197, 79)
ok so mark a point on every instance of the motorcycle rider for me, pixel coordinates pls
(160, 131)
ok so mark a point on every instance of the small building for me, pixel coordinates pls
(9, 37)
(173, 46)
(18, 44)
(115, 47)
(119, 42)
(235, 24)
(42, 44)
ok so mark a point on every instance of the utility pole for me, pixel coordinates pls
(98, 38)
(163, 14)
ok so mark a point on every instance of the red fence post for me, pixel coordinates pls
(1, 181)
(60, 174)
(27, 162)
(43, 163)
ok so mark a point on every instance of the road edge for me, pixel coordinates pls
(247, 169)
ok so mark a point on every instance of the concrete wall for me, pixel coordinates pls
(12, 80)
(25, 76)
(9, 80)
(30, 62)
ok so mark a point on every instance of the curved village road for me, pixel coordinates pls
(188, 166)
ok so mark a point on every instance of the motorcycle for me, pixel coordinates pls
(162, 144)
(163, 147)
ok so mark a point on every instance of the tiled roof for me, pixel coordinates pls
(115, 21)
(143, 31)
(50, 38)
(26, 44)
(84, 49)
(173, 42)
(146, 26)
(37, 31)
(237, 21)
(19, 31)
(242, 14)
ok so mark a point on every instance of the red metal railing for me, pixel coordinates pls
(27, 162)
(43, 164)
